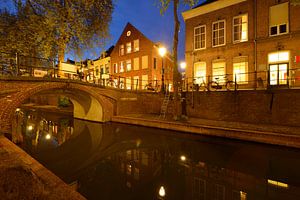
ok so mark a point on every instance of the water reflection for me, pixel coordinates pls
(117, 161)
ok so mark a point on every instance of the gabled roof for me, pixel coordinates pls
(204, 3)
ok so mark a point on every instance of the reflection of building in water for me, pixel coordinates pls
(40, 128)
(138, 165)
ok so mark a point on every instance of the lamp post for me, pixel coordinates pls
(162, 52)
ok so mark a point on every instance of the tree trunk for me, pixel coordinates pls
(176, 76)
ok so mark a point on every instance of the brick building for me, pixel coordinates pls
(102, 66)
(255, 42)
(135, 61)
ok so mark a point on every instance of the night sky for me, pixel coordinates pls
(145, 16)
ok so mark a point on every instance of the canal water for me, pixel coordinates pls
(117, 161)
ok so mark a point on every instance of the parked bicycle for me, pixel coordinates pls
(216, 85)
(150, 87)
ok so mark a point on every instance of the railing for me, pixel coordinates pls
(15, 65)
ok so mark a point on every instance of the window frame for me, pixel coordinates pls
(120, 50)
(200, 26)
(278, 28)
(128, 52)
(233, 25)
(134, 47)
(212, 33)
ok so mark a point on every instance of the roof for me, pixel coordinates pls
(204, 3)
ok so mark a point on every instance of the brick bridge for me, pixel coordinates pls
(91, 102)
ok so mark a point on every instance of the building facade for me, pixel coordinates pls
(136, 63)
(102, 67)
(255, 43)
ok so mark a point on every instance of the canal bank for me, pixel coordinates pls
(263, 133)
(22, 177)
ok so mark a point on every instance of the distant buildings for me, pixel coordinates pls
(102, 67)
(135, 62)
(257, 43)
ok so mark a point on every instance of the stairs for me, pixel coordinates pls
(164, 106)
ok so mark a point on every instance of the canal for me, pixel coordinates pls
(117, 161)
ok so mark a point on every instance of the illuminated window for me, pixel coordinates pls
(121, 83)
(128, 47)
(128, 83)
(200, 37)
(121, 66)
(121, 50)
(136, 45)
(278, 67)
(279, 19)
(200, 72)
(115, 68)
(218, 33)
(239, 195)
(240, 28)
(136, 64)
(218, 70)
(240, 70)
(106, 69)
(128, 65)
(136, 82)
(144, 62)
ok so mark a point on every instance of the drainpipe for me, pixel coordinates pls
(255, 43)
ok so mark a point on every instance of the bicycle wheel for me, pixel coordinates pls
(230, 85)
(213, 86)
(202, 87)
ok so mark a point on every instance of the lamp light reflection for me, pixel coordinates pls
(162, 191)
(48, 136)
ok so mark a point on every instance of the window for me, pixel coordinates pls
(121, 66)
(128, 47)
(136, 82)
(97, 71)
(128, 65)
(218, 70)
(144, 80)
(200, 72)
(200, 37)
(136, 64)
(240, 70)
(218, 31)
(240, 28)
(136, 45)
(128, 83)
(121, 50)
(115, 68)
(279, 19)
(101, 69)
(144, 62)
(154, 63)
(278, 67)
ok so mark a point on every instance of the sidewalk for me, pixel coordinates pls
(263, 133)
(22, 177)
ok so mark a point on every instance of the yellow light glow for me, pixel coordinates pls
(30, 128)
(162, 51)
(18, 109)
(48, 136)
(277, 183)
(182, 158)
(278, 56)
(182, 65)
(162, 191)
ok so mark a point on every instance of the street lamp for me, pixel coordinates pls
(162, 52)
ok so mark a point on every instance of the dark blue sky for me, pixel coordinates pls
(145, 16)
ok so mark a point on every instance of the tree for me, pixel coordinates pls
(164, 5)
(62, 25)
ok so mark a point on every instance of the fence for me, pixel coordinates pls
(20, 65)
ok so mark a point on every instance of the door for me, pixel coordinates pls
(278, 74)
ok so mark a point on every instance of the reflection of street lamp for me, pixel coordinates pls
(162, 52)
(162, 191)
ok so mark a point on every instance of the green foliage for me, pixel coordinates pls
(54, 27)
(63, 102)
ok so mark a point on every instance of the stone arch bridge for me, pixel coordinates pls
(91, 102)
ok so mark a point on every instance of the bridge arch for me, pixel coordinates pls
(90, 103)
